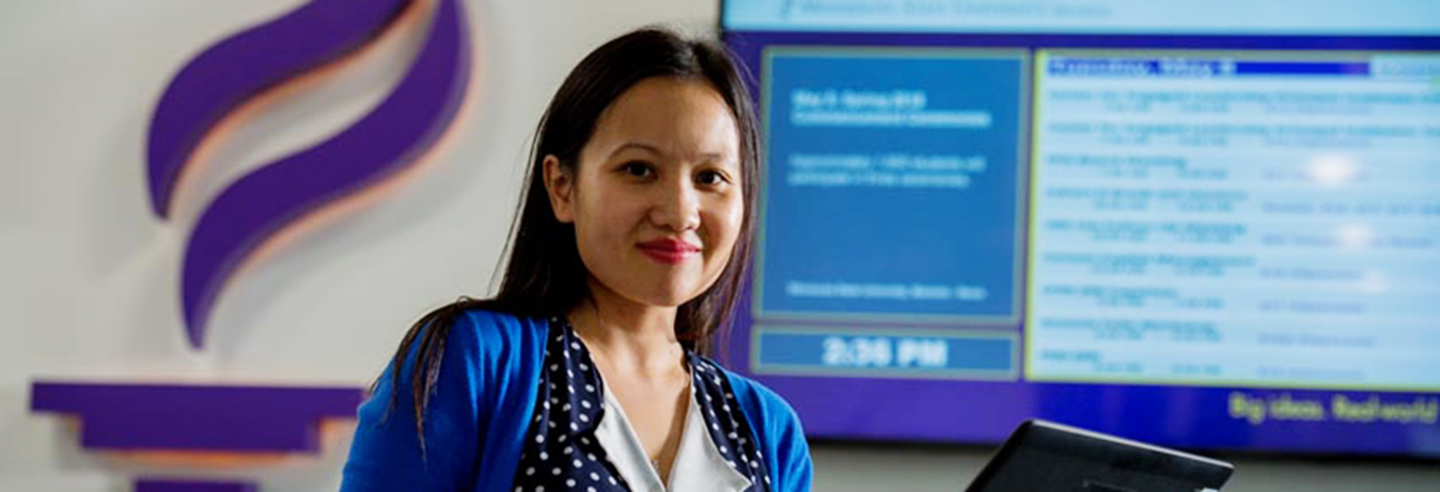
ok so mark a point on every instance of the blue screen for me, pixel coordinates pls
(1211, 225)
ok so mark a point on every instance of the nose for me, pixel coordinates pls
(676, 205)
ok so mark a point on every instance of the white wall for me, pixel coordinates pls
(89, 277)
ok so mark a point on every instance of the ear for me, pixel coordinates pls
(560, 186)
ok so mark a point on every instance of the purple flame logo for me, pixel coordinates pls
(387, 140)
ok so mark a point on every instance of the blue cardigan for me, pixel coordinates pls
(480, 411)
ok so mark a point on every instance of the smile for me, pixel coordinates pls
(668, 251)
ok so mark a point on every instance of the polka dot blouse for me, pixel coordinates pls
(561, 450)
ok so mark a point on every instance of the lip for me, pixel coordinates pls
(668, 251)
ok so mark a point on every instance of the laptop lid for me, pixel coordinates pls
(1044, 456)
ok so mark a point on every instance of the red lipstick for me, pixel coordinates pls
(668, 250)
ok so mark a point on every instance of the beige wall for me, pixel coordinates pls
(89, 278)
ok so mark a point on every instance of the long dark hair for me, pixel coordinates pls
(544, 276)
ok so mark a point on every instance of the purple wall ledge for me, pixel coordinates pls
(187, 417)
(166, 485)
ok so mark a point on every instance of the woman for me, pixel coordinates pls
(586, 371)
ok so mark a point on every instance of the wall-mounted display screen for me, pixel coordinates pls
(1211, 225)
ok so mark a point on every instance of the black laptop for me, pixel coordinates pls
(1048, 457)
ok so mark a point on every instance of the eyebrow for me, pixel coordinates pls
(710, 156)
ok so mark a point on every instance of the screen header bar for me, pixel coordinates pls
(1219, 17)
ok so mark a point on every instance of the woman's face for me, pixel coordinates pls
(656, 200)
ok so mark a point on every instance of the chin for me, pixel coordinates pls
(667, 293)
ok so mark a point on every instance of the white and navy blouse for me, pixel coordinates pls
(579, 438)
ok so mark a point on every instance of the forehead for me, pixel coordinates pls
(683, 118)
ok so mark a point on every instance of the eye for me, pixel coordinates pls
(637, 169)
(711, 178)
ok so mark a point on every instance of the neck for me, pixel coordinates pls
(631, 337)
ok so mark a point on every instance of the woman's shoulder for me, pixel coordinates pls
(764, 398)
(489, 327)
